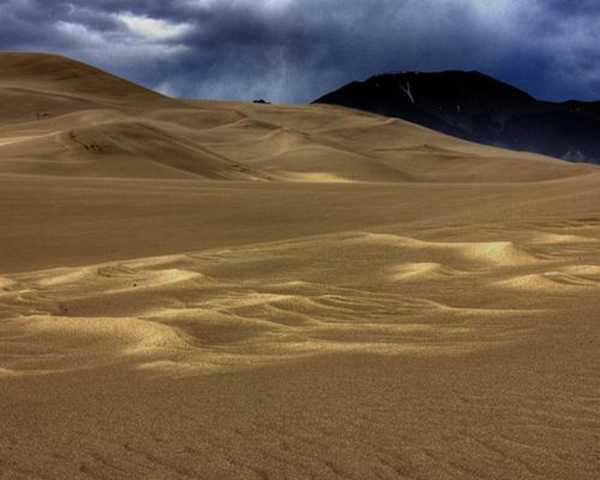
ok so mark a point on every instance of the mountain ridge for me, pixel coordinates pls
(477, 107)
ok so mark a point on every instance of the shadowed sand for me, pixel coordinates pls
(219, 290)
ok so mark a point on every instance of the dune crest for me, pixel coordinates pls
(80, 121)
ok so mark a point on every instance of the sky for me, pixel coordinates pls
(294, 51)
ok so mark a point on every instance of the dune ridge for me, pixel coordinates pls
(81, 121)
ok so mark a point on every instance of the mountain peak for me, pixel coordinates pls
(477, 107)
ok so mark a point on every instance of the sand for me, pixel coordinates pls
(194, 289)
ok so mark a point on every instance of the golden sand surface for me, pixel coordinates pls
(216, 290)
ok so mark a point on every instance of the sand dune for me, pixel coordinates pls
(201, 307)
(194, 289)
(93, 124)
(417, 271)
(560, 281)
(54, 73)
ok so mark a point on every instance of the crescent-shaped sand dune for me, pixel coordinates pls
(214, 290)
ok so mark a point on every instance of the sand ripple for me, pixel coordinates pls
(240, 308)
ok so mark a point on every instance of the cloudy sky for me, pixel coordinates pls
(297, 50)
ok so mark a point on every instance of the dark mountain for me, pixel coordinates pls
(479, 108)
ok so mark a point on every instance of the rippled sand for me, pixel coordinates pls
(296, 316)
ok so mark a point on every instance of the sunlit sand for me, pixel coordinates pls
(194, 289)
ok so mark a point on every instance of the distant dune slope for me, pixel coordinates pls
(60, 74)
(65, 118)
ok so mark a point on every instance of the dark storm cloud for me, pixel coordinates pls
(295, 50)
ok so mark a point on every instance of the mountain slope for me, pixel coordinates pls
(478, 108)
